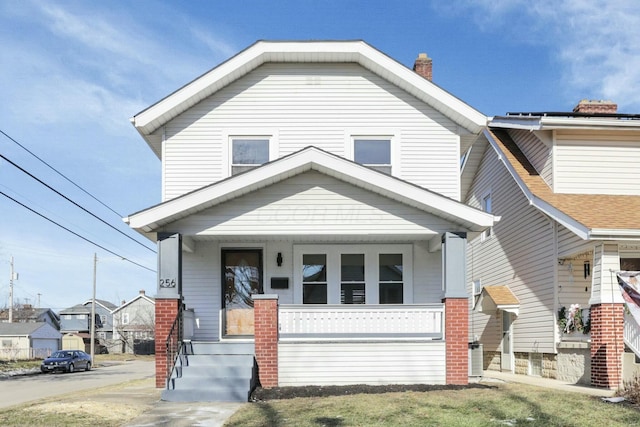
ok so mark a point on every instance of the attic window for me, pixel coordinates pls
(374, 153)
(248, 153)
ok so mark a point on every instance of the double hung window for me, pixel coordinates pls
(374, 153)
(314, 279)
(248, 153)
(390, 277)
(352, 284)
(486, 206)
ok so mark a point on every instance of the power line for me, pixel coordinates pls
(74, 203)
(60, 173)
(74, 233)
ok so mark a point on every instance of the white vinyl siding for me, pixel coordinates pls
(596, 162)
(313, 204)
(336, 363)
(323, 105)
(538, 154)
(521, 256)
(201, 288)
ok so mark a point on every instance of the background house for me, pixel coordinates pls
(28, 340)
(319, 181)
(566, 188)
(28, 313)
(134, 326)
(77, 320)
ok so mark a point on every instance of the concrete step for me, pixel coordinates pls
(216, 360)
(210, 394)
(195, 383)
(220, 347)
(198, 371)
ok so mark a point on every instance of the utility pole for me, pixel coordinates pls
(93, 309)
(38, 306)
(13, 276)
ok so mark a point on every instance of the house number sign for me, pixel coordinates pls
(168, 283)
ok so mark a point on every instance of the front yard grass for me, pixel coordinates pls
(494, 405)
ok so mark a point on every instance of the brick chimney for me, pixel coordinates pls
(142, 292)
(590, 106)
(424, 66)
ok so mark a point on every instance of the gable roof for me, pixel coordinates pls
(22, 328)
(310, 158)
(105, 304)
(590, 216)
(497, 297)
(261, 52)
(136, 298)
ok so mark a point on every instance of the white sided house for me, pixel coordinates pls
(546, 297)
(311, 227)
(28, 340)
(134, 325)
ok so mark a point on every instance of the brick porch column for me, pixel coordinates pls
(607, 345)
(456, 322)
(265, 311)
(166, 312)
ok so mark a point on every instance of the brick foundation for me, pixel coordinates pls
(266, 338)
(456, 338)
(166, 312)
(607, 345)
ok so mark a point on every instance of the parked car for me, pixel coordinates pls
(66, 361)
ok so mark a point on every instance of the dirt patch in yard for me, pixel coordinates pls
(277, 393)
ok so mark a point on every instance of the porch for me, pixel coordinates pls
(339, 345)
(322, 345)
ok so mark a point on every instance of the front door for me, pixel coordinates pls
(507, 355)
(241, 277)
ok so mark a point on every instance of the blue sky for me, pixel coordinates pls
(72, 73)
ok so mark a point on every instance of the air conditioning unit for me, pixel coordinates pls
(475, 360)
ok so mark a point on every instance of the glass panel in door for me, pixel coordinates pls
(242, 277)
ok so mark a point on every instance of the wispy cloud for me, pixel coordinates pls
(594, 41)
(95, 63)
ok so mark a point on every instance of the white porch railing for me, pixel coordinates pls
(632, 333)
(361, 321)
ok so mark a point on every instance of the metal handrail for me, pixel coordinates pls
(173, 344)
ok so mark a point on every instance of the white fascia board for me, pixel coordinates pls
(307, 159)
(546, 208)
(609, 234)
(550, 123)
(244, 62)
(515, 122)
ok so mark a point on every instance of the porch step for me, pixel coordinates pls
(213, 371)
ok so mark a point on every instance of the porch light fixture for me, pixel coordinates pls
(279, 259)
(587, 269)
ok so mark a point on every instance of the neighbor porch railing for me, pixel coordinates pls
(632, 333)
(424, 321)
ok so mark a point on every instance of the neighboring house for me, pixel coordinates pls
(78, 319)
(104, 327)
(566, 187)
(314, 187)
(28, 340)
(134, 325)
(27, 313)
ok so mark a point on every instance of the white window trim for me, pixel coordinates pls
(371, 255)
(352, 135)
(228, 136)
